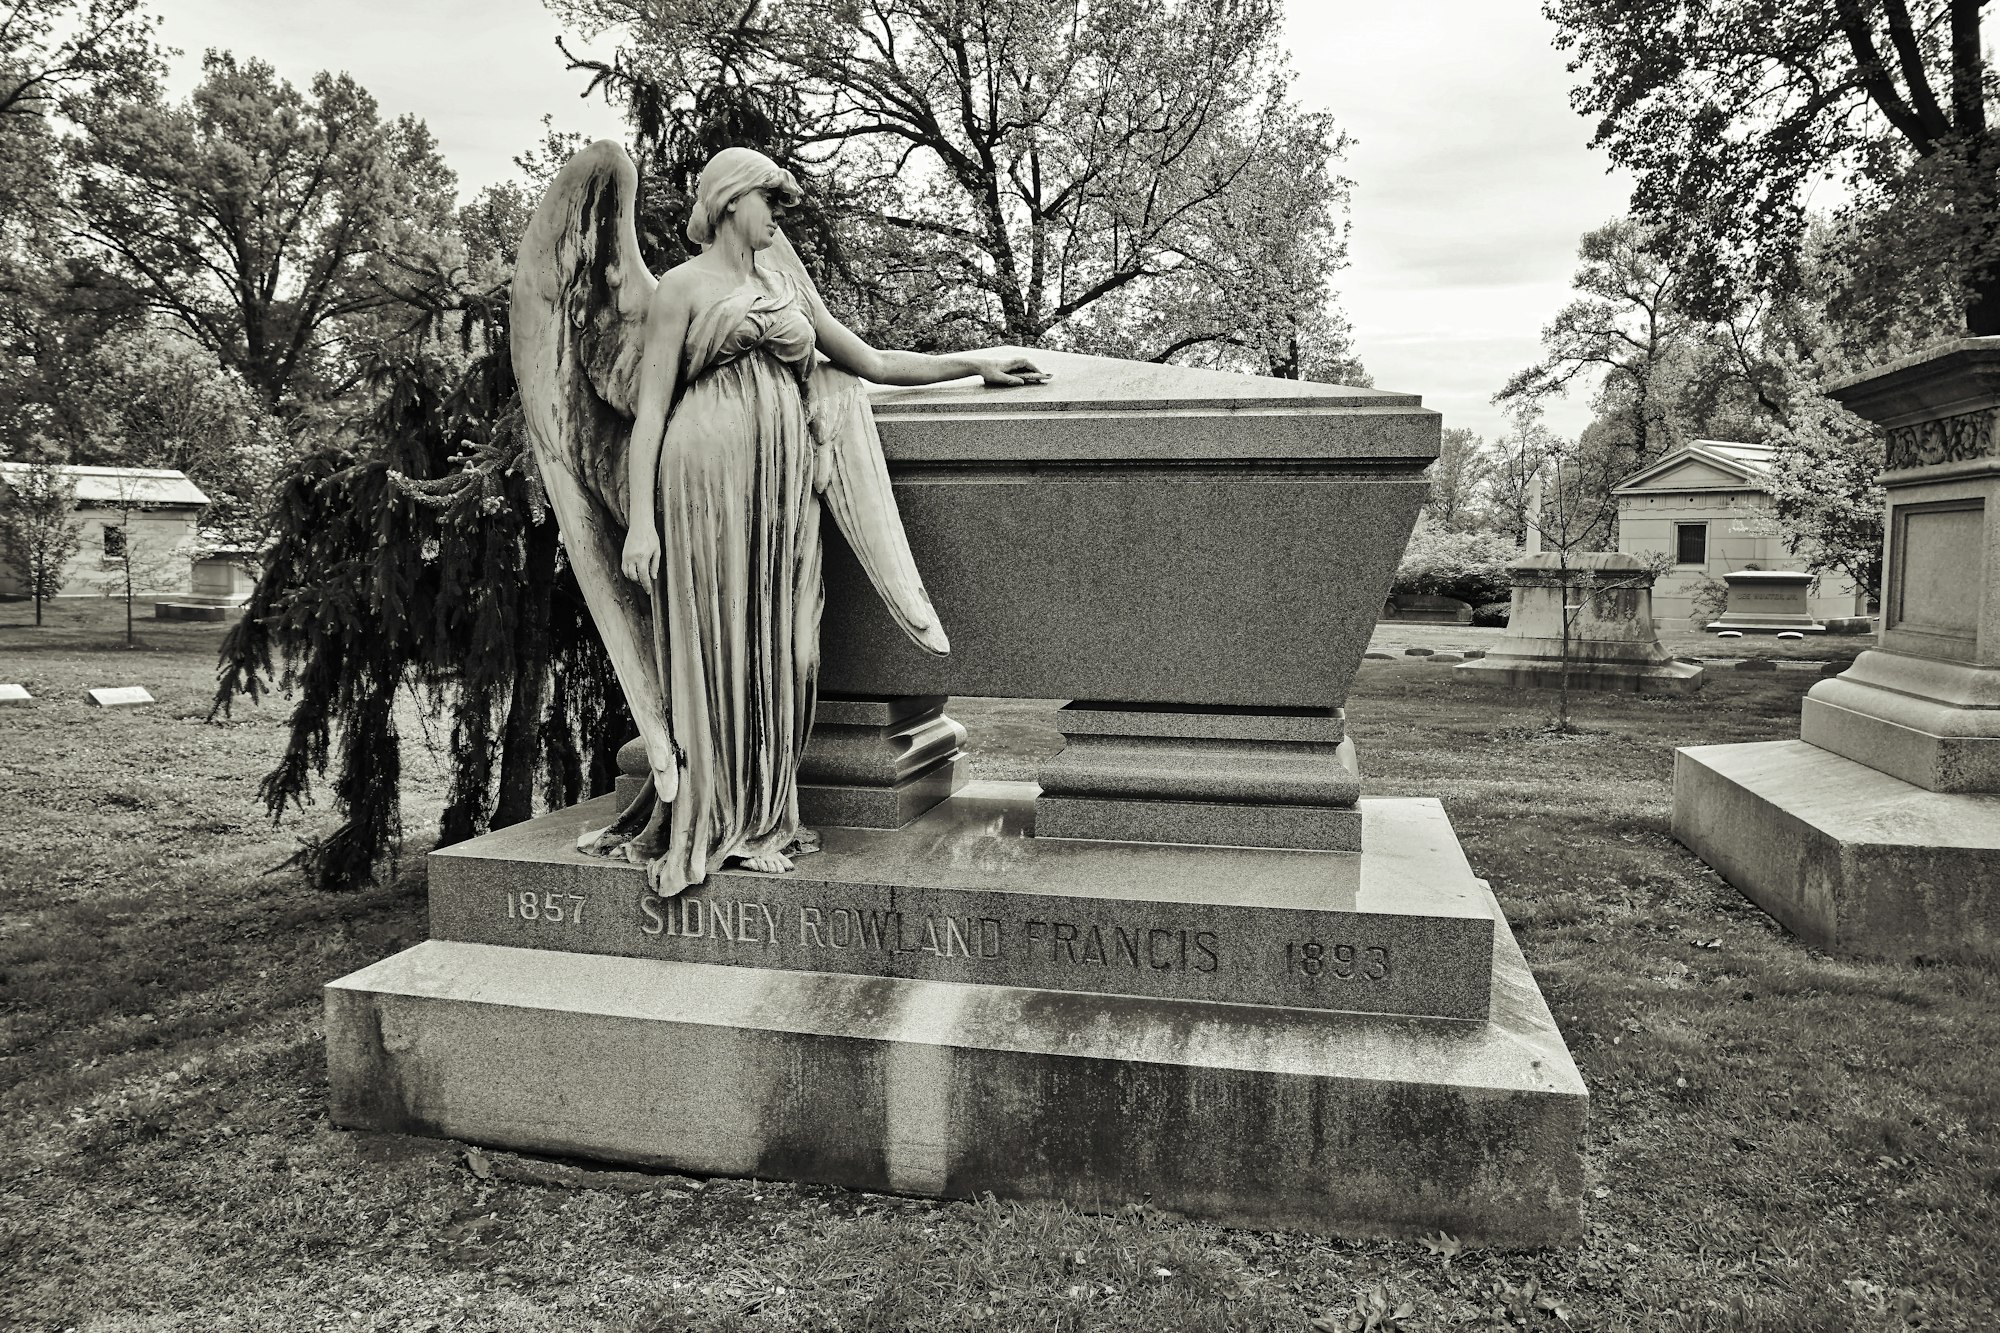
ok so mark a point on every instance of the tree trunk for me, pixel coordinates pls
(520, 742)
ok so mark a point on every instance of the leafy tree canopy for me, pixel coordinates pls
(1125, 176)
(1730, 112)
(260, 220)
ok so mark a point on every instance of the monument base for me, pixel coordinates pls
(1539, 673)
(1767, 625)
(1849, 859)
(1932, 723)
(957, 1007)
(1246, 1115)
(192, 610)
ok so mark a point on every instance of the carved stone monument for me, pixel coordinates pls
(1054, 996)
(1878, 830)
(1190, 966)
(1768, 601)
(1612, 645)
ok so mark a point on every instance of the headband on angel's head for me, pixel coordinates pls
(729, 175)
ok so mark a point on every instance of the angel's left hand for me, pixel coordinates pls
(1003, 371)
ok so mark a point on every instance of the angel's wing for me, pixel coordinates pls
(857, 490)
(861, 502)
(578, 314)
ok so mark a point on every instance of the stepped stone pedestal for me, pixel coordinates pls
(1191, 967)
(1878, 832)
(1612, 644)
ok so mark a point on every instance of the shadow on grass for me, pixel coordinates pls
(1778, 1140)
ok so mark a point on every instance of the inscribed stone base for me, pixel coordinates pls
(1248, 1115)
(1850, 859)
(1524, 673)
(966, 894)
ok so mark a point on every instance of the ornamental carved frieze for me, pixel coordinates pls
(1956, 439)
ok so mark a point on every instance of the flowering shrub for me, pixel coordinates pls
(1471, 566)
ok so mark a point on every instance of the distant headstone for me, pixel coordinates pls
(1730, 634)
(1756, 664)
(1473, 654)
(1378, 657)
(1438, 658)
(120, 696)
(1790, 634)
(1418, 652)
(1596, 609)
(1763, 600)
(1427, 609)
(15, 694)
(189, 611)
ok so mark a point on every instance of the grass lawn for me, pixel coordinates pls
(1779, 1140)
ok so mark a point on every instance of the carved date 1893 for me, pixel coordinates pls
(1342, 962)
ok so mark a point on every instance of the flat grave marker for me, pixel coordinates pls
(121, 696)
(15, 694)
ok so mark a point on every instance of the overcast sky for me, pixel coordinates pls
(1472, 178)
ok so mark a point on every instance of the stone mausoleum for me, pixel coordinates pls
(1708, 504)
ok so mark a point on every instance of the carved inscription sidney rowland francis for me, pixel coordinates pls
(733, 925)
(1956, 439)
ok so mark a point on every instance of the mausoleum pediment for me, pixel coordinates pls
(1705, 465)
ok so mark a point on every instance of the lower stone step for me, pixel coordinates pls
(1351, 1124)
(1849, 859)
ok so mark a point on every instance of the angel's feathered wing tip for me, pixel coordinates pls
(863, 504)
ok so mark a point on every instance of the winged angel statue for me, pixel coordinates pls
(687, 429)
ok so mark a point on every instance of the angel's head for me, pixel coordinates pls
(741, 188)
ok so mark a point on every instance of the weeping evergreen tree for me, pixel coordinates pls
(415, 559)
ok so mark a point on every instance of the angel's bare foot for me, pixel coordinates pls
(771, 863)
(805, 844)
(598, 842)
(655, 869)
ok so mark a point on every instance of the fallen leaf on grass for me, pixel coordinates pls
(480, 1164)
(1446, 1247)
(1373, 1311)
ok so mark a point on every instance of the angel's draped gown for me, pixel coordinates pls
(739, 587)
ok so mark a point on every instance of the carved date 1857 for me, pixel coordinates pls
(551, 909)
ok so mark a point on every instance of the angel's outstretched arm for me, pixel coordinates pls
(846, 349)
(666, 331)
